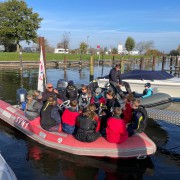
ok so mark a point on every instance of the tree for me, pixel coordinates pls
(114, 51)
(48, 48)
(144, 46)
(65, 41)
(83, 47)
(174, 52)
(154, 52)
(130, 44)
(178, 49)
(18, 22)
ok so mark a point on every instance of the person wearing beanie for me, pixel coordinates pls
(148, 91)
(71, 92)
(98, 99)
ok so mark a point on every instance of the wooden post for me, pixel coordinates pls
(20, 57)
(91, 68)
(171, 63)
(65, 63)
(163, 62)
(122, 65)
(42, 44)
(113, 61)
(102, 62)
(153, 63)
(176, 66)
(141, 63)
(80, 64)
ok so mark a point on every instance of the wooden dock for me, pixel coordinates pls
(165, 115)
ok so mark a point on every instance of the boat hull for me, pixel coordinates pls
(137, 146)
(6, 173)
(170, 87)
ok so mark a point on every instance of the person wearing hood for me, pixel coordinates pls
(148, 91)
(98, 98)
(71, 92)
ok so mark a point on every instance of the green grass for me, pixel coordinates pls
(14, 56)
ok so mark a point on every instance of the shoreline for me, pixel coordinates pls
(54, 64)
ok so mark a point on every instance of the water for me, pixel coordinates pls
(32, 161)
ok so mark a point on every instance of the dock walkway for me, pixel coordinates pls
(165, 115)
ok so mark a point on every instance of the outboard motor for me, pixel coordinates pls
(21, 97)
(61, 85)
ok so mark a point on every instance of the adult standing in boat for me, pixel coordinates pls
(116, 81)
(50, 91)
(116, 131)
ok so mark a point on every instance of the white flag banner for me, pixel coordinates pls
(41, 75)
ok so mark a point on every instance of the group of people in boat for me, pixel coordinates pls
(91, 112)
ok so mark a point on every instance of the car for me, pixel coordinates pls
(29, 49)
(2, 48)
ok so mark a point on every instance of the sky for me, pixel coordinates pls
(108, 23)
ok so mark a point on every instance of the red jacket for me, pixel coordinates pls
(69, 117)
(98, 120)
(116, 131)
(127, 113)
(101, 100)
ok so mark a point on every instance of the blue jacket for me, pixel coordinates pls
(147, 92)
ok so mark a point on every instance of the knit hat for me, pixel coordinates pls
(98, 90)
(147, 85)
(70, 83)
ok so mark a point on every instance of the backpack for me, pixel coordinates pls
(143, 124)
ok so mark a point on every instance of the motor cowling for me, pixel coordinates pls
(61, 85)
(21, 97)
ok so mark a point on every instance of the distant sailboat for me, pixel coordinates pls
(42, 73)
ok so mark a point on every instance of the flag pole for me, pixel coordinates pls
(41, 74)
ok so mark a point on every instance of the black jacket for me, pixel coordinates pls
(115, 76)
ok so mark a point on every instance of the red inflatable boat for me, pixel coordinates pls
(137, 146)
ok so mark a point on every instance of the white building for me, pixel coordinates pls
(61, 51)
(122, 50)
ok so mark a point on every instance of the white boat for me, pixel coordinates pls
(161, 81)
(6, 173)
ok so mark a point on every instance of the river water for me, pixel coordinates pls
(30, 160)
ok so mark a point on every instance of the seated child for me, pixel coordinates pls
(69, 117)
(106, 112)
(116, 131)
(98, 99)
(88, 125)
(139, 118)
(84, 97)
(127, 109)
(148, 91)
(50, 117)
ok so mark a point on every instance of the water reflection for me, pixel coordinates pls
(79, 167)
(30, 160)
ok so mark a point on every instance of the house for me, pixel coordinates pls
(61, 51)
